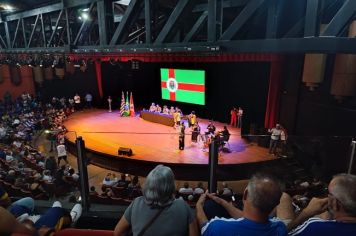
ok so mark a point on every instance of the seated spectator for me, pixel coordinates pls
(51, 164)
(260, 197)
(108, 181)
(47, 176)
(226, 191)
(93, 191)
(338, 211)
(10, 177)
(74, 175)
(122, 182)
(9, 225)
(186, 189)
(167, 215)
(134, 188)
(52, 217)
(199, 189)
(5, 200)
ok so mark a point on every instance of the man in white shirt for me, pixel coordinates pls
(275, 138)
(77, 102)
(61, 153)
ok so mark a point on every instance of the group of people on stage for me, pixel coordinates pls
(165, 110)
(236, 117)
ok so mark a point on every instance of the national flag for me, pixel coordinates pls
(122, 107)
(127, 105)
(132, 107)
(183, 85)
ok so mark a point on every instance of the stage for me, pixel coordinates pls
(153, 143)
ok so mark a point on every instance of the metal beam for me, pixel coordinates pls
(55, 28)
(148, 20)
(68, 27)
(126, 20)
(23, 31)
(2, 40)
(15, 35)
(196, 27)
(43, 31)
(272, 19)
(50, 8)
(7, 34)
(82, 26)
(241, 19)
(172, 20)
(101, 9)
(311, 26)
(33, 31)
(342, 17)
(295, 29)
(326, 45)
(212, 8)
(225, 4)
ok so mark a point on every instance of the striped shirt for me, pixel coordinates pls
(317, 226)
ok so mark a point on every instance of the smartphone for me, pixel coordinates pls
(233, 198)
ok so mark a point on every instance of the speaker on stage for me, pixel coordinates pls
(125, 151)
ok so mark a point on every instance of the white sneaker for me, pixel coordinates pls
(76, 212)
(34, 218)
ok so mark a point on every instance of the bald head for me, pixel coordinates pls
(264, 193)
(343, 188)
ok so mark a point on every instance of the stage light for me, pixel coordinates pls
(84, 16)
(85, 9)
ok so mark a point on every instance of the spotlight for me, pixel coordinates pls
(85, 16)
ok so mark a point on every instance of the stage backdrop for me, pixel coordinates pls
(242, 84)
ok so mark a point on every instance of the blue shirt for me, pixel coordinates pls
(317, 226)
(243, 227)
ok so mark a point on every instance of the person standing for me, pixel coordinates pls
(181, 136)
(62, 153)
(88, 100)
(275, 137)
(233, 117)
(109, 102)
(240, 113)
(77, 102)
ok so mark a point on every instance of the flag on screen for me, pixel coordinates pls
(122, 107)
(127, 106)
(132, 107)
(183, 85)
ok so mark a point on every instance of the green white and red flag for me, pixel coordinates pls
(183, 85)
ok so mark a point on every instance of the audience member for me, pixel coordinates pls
(171, 216)
(260, 197)
(337, 211)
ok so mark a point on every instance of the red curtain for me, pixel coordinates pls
(274, 94)
(98, 77)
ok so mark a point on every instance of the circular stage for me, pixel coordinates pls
(151, 143)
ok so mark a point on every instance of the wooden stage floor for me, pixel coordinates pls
(105, 132)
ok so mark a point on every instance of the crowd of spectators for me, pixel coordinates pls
(26, 171)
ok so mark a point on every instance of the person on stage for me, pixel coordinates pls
(158, 109)
(211, 128)
(88, 100)
(109, 102)
(165, 110)
(233, 117)
(181, 136)
(152, 108)
(240, 113)
(77, 104)
(172, 110)
(192, 119)
(177, 117)
(195, 132)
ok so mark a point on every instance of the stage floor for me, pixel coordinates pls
(105, 132)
